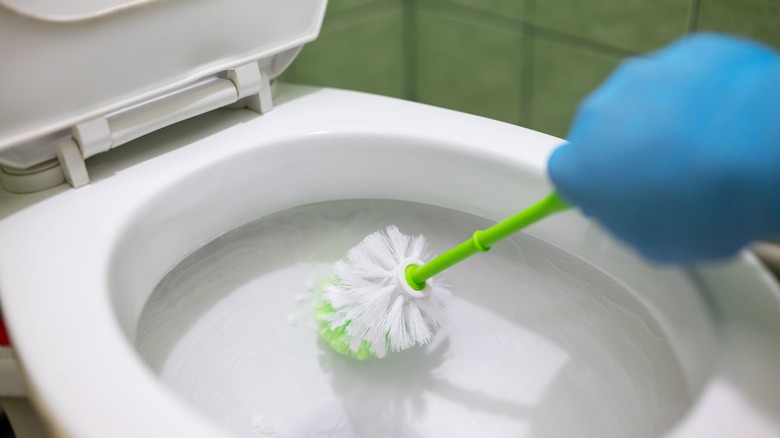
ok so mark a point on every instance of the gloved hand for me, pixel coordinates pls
(678, 152)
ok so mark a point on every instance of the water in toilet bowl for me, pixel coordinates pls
(539, 343)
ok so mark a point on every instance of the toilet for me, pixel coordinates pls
(130, 174)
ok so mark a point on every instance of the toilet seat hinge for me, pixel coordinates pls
(253, 86)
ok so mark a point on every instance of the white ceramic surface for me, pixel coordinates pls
(78, 266)
(538, 344)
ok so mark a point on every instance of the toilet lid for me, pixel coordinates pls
(67, 62)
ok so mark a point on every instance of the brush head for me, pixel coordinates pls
(368, 308)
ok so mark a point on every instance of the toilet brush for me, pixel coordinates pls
(383, 296)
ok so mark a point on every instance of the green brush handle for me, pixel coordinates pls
(482, 240)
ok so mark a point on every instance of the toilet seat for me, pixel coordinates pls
(72, 294)
(125, 68)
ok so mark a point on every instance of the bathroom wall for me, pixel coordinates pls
(527, 62)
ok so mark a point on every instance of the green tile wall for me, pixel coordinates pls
(635, 25)
(757, 19)
(335, 7)
(528, 62)
(450, 74)
(562, 76)
(507, 8)
(364, 54)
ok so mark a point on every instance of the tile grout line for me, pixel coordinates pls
(359, 14)
(527, 48)
(693, 15)
(409, 49)
(470, 15)
(553, 36)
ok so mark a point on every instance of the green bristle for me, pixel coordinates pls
(337, 338)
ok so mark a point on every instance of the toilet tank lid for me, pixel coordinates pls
(65, 62)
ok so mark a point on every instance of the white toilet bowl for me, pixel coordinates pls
(77, 266)
(559, 332)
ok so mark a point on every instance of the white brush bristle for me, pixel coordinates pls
(367, 294)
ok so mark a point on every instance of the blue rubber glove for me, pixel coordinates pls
(678, 153)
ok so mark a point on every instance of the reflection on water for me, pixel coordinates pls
(539, 343)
